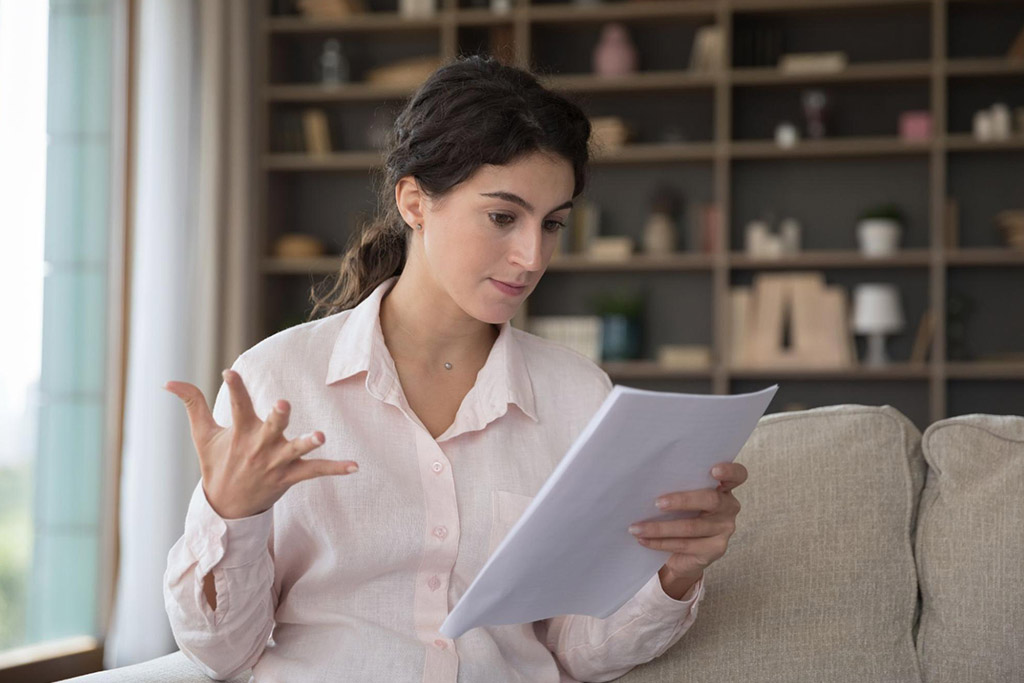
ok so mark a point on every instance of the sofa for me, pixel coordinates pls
(864, 551)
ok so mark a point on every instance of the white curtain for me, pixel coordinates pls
(190, 277)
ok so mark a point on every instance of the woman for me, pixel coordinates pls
(452, 418)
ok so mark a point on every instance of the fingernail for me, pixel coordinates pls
(278, 408)
(224, 374)
(634, 529)
(317, 439)
(717, 471)
(661, 503)
(352, 468)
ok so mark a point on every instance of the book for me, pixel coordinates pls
(317, 132)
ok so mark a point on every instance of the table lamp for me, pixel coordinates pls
(876, 313)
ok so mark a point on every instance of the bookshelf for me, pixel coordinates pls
(943, 56)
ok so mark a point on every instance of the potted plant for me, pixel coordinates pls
(880, 229)
(621, 325)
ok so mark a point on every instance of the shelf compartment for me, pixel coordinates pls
(817, 193)
(858, 110)
(982, 29)
(898, 31)
(579, 263)
(662, 44)
(562, 12)
(649, 369)
(965, 397)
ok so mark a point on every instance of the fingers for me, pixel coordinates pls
(242, 412)
(707, 500)
(731, 474)
(696, 527)
(276, 422)
(708, 546)
(318, 467)
(199, 416)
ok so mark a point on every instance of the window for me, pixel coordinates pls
(60, 124)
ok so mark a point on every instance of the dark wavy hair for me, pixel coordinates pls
(471, 111)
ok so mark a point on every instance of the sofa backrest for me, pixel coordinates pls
(819, 581)
(970, 550)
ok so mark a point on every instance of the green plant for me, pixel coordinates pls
(630, 305)
(891, 211)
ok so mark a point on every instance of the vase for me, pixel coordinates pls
(620, 337)
(878, 236)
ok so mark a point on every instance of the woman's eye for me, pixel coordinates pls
(497, 218)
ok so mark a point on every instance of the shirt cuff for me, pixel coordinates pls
(227, 542)
(659, 605)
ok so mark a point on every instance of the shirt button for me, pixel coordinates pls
(440, 531)
(434, 583)
(437, 467)
(441, 644)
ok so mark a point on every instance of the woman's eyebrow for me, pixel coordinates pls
(516, 199)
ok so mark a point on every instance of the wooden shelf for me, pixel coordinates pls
(967, 142)
(882, 71)
(996, 256)
(639, 262)
(689, 261)
(721, 110)
(830, 147)
(819, 5)
(893, 371)
(838, 258)
(368, 22)
(985, 370)
(984, 67)
(635, 10)
(641, 153)
(320, 265)
(639, 82)
(337, 93)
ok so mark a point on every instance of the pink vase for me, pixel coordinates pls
(615, 54)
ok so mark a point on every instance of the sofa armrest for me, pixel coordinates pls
(172, 668)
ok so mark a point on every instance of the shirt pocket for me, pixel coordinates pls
(506, 509)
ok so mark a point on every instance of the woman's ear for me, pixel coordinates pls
(409, 200)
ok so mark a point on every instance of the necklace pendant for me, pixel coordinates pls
(447, 366)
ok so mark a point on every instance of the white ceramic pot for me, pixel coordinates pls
(879, 236)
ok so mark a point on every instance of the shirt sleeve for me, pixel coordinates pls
(239, 552)
(648, 624)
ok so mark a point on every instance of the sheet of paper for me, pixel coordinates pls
(571, 551)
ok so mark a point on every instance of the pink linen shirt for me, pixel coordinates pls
(350, 577)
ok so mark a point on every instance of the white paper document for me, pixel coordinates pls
(571, 551)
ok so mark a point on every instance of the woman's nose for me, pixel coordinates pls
(529, 248)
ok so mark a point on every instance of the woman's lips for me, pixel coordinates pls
(507, 288)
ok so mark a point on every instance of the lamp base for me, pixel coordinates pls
(876, 355)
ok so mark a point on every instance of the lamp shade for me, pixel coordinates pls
(877, 309)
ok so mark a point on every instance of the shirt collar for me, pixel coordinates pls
(359, 346)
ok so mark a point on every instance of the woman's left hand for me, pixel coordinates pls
(694, 542)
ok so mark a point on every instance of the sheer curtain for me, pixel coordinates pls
(190, 277)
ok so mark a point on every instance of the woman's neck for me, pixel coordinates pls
(425, 327)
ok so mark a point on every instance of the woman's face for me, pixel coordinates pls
(499, 226)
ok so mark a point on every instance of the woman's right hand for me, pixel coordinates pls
(248, 466)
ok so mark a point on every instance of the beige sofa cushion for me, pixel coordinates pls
(818, 583)
(970, 550)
